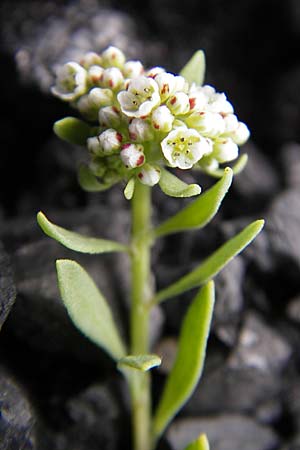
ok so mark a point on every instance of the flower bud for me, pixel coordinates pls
(86, 109)
(71, 82)
(225, 150)
(132, 155)
(113, 57)
(154, 71)
(110, 140)
(207, 123)
(100, 97)
(109, 116)
(95, 74)
(218, 103)
(162, 119)
(94, 146)
(112, 78)
(231, 123)
(140, 130)
(133, 69)
(241, 134)
(169, 84)
(179, 103)
(91, 59)
(149, 175)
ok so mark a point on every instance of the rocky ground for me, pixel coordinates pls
(59, 392)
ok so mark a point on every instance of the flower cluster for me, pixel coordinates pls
(147, 119)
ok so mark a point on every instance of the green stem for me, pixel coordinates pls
(139, 326)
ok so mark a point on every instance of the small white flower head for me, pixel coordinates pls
(149, 175)
(112, 78)
(109, 116)
(71, 82)
(218, 103)
(169, 84)
(179, 103)
(140, 130)
(231, 123)
(140, 97)
(162, 119)
(184, 147)
(225, 150)
(95, 74)
(241, 134)
(207, 123)
(110, 140)
(133, 69)
(132, 155)
(91, 59)
(113, 57)
(154, 71)
(99, 97)
(94, 146)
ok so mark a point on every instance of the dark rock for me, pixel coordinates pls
(290, 159)
(7, 286)
(17, 419)
(225, 432)
(293, 310)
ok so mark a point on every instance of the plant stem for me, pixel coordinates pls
(139, 326)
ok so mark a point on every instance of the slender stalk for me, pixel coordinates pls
(139, 326)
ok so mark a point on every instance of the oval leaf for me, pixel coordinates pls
(88, 308)
(174, 187)
(76, 241)
(213, 264)
(199, 444)
(89, 182)
(72, 130)
(129, 189)
(236, 169)
(201, 211)
(194, 70)
(139, 362)
(189, 361)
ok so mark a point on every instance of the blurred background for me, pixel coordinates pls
(59, 392)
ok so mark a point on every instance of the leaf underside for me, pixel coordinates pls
(88, 308)
(194, 70)
(199, 444)
(72, 130)
(139, 362)
(76, 241)
(189, 362)
(174, 187)
(89, 182)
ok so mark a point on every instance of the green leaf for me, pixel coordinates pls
(213, 264)
(199, 444)
(201, 211)
(129, 189)
(174, 187)
(88, 308)
(189, 361)
(236, 169)
(194, 70)
(89, 182)
(76, 241)
(139, 362)
(72, 130)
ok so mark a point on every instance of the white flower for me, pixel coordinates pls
(110, 140)
(218, 103)
(207, 123)
(169, 84)
(140, 130)
(70, 82)
(241, 134)
(132, 155)
(149, 175)
(113, 57)
(225, 150)
(112, 78)
(93, 145)
(184, 147)
(100, 97)
(162, 119)
(109, 116)
(95, 73)
(154, 71)
(140, 97)
(91, 59)
(133, 69)
(179, 103)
